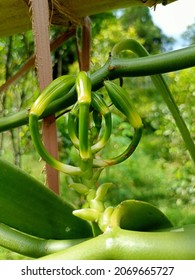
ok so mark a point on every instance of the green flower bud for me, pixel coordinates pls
(80, 188)
(87, 214)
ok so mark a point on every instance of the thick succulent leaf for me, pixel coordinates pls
(139, 216)
(29, 206)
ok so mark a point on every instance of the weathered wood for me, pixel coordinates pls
(15, 16)
(40, 24)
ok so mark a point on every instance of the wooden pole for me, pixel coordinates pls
(40, 25)
(83, 52)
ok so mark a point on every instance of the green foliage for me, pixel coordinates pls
(15, 51)
(189, 34)
(151, 35)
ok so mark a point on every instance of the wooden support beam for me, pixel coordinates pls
(40, 25)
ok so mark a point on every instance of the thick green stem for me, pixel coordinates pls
(32, 246)
(118, 244)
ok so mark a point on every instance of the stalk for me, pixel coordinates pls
(119, 244)
(32, 246)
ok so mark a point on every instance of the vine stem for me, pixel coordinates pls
(144, 66)
(32, 246)
(119, 244)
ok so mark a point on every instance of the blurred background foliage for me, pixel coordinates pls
(161, 170)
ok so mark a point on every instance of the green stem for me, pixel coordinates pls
(14, 120)
(118, 244)
(31, 246)
(84, 147)
(145, 66)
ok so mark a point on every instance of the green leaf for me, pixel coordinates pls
(139, 216)
(29, 206)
